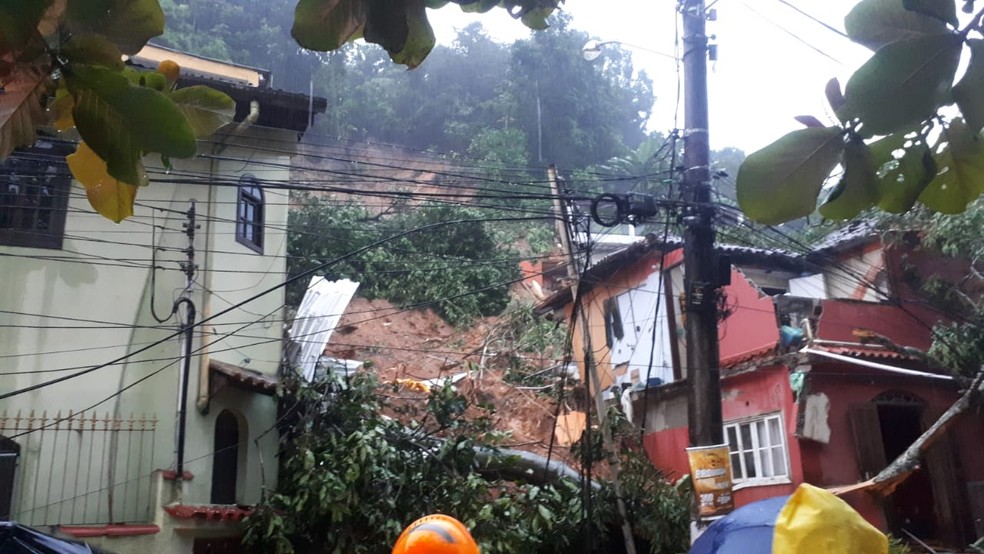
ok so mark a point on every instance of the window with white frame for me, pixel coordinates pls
(758, 449)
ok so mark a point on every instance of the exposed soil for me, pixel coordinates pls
(419, 345)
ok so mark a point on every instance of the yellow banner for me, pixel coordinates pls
(710, 469)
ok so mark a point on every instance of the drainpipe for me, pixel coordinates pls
(189, 335)
(203, 368)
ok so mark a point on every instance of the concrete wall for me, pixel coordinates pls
(99, 284)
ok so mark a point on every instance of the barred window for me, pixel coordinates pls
(34, 188)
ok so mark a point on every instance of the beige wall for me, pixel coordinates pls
(102, 274)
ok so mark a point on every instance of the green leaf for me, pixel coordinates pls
(876, 23)
(960, 177)
(537, 18)
(92, 49)
(479, 6)
(781, 181)
(22, 107)
(901, 186)
(121, 122)
(969, 92)
(420, 39)
(944, 10)
(19, 21)
(127, 23)
(903, 83)
(326, 25)
(387, 24)
(145, 78)
(207, 109)
(857, 190)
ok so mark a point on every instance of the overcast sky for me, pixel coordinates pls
(772, 62)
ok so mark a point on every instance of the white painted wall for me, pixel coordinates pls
(102, 274)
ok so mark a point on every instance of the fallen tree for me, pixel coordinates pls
(355, 470)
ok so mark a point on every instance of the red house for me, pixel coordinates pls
(822, 381)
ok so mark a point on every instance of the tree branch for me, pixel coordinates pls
(907, 462)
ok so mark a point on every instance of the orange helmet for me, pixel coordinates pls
(436, 534)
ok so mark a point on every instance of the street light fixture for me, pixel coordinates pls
(592, 49)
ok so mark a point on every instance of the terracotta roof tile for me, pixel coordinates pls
(210, 512)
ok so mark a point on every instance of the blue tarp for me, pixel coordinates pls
(17, 539)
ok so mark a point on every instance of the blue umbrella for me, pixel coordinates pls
(808, 521)
(747, 530)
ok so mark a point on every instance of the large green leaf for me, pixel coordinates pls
(876, 23)
(93, 49)
(781, 181)
(19, 22)
(121, 122)
(960, 178)
(857, 190)
(326, 25)
(905, 180)
(969, 92)
(944, 10)
(127, 23)
(903, 83)
(207, 109)
(388, 24)
(537, 18)
(420, 39)
(22, 107)
(478, 6)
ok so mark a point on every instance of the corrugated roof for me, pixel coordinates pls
(852, 234)
(607, 266)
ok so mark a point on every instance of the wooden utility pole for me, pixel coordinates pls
(701, 269)
(590, 367)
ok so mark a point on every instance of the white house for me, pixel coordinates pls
(89, 433)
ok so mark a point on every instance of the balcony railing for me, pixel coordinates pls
(78, 468)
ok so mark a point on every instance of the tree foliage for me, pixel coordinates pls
(456, 268)
(899, 141)
(352, 478)
(69, 55)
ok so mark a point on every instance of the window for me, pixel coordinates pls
(34, 186)
(249, 221)
(614, 331)
(758, 449)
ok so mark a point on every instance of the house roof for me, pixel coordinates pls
(278, 108)
(607, 266)
(854, 233)
(245, 379)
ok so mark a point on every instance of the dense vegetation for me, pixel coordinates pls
(352, 478)
(451, 263)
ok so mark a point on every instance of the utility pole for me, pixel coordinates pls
(574, 269)
(188, 268)
(700, 265)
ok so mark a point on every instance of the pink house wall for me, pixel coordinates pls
(835, 463)
(762, 392)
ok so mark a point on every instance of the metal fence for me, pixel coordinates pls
(80, 468)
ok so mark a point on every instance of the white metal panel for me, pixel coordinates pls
(323, 305)
(637, 308)
(811, 286)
